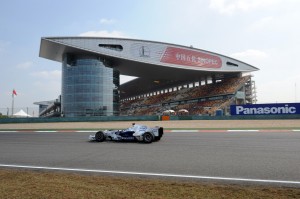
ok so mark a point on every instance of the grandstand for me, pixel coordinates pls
(50, 108)
(171, 79)
(196, 100)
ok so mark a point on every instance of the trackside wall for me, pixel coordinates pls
(146, 118)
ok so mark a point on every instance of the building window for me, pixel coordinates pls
(111, 47)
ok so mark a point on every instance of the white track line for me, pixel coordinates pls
(173, 131)
(184, 131)
(242, 130)
(152, 174)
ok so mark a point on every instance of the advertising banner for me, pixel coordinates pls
(187, 57)
(265, 109)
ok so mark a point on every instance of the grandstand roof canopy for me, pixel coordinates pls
(155, 63)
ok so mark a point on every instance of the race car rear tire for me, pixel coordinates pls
(160, 134)
(148, 137)
(99, 136)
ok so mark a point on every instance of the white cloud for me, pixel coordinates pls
(107, 21)
(47, 84)
(282, 90)
(55, 74)
(232, 6)
(278, 25)
(25, 65)
(250, 54)
(104, 33)
(262, 23)
(46, 90)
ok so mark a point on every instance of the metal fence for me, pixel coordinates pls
(30, 111)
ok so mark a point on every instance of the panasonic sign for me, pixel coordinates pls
(265, 109)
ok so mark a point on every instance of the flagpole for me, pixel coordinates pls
(12, 105)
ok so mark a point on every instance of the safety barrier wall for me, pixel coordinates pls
(145, 118)
(245, 117)
(79, 119)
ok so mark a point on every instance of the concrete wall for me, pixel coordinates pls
(145, 118)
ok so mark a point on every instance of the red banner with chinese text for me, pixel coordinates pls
(187, 57)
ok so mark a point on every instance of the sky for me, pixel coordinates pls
(263, 33)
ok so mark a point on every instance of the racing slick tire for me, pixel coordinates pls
(148, 138)
(160, 134)
(99, 136)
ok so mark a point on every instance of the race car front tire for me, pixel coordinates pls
(148, 137)
(99, 136)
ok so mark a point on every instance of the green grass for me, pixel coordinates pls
(36, 184)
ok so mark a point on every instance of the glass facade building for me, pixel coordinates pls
(90, 87)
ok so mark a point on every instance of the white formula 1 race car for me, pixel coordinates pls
(137, 132)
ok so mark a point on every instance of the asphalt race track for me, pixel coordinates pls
(255, 157)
